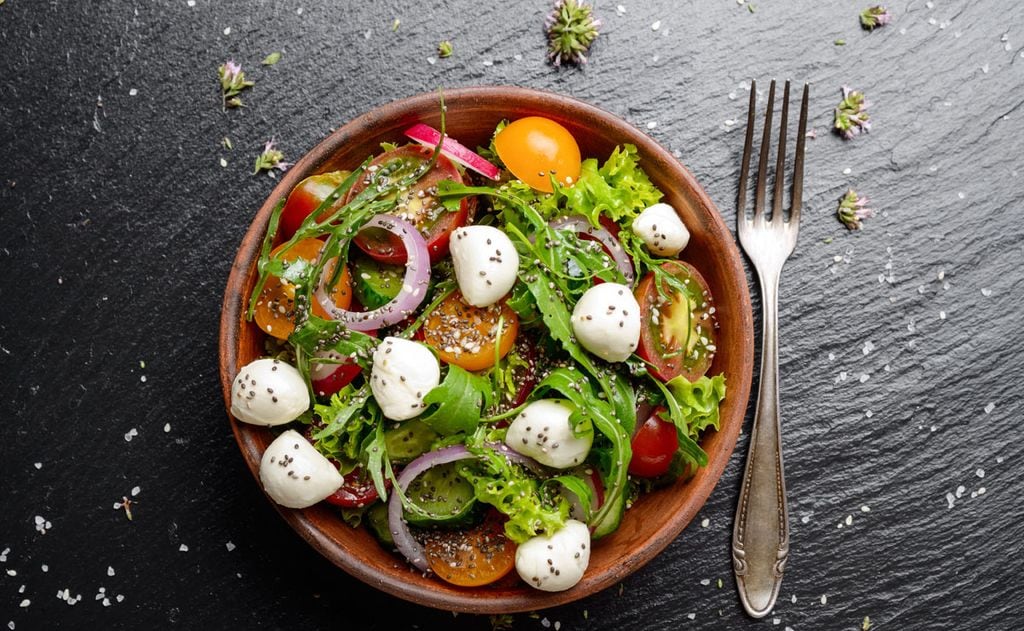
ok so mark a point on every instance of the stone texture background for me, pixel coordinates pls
(900, 352)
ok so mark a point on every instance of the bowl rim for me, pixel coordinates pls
(234, 304)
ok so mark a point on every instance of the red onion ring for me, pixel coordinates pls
(414, 283)
(429, 137)
(404, 541)
(610, 243)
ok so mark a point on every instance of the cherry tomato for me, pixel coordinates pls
(330, 378)
(307, 197)
(654, 445)
(534, 148)
(472, 557)
(465, 335)
(275, 309)
(417, 204)
(677, 336)
(357, 490)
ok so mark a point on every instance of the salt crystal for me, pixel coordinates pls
(989, 408)
(656, 25)
(847, 171)
(864, 377)
(120, 598)
(12, 572)
(621, 10)
(44, 567)
(106, 602)
(230, 546)
(488, 63)
(191, 3)
(999, 460)
(985, 291)
(868, 413)
(932, 428)
(805, 519)
(38, 465)
(824, 599)
(831, 357)
(981, 490)
(227, 31)
(167, 427)
(961, 195)
(704, 523)
(183, 548)
(545, 623)
(691, 616)
(985, 68)
(920, 289)
(25, 603)
(431, 60)
(133, 92)
(849, 520)
(776, 621)
(792, 600)
(110, 571)
(136, 490)
(942, 315)
(868, 347)
(143, 377)
(950, 499)
(299, 11)
(223, 163)
(929, 4)
(705, 581)
(980, 473)
(839, 525)
(941, 274)
(960, 490)
(368, 34)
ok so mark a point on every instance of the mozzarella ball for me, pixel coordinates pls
(268, 392)
(606, 321)
(661, 229)
(403, 373)
(557, 562)
(485, 262)
(295, 474)
(543, 432)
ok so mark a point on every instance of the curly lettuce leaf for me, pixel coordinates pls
(698, 401)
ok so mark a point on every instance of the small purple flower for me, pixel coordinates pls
(851, 114)
(875, 16)
(232, 82)
(852, 209)
(270, 159)
(571, 29)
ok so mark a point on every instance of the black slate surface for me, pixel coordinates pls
(900, 353)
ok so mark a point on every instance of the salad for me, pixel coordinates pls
(483, 356)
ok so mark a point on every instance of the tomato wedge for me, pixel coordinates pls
(417, 204)
(357, 490)
(465, 335)
(677, 335)
(476, 556)
(307, 197)
(654, 445)
(275, 309)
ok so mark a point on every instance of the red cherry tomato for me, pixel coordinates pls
(677, 337)
(654, 445)
(305, 198)
(330, 378)
(417, 204)
(356, 490)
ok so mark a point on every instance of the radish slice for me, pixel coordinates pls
(428, 136)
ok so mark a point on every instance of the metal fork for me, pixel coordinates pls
(760, 540)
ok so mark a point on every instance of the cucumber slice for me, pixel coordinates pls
(443, 493)
(377, 520)
(611, 519)
(409, 440)
(376, 284)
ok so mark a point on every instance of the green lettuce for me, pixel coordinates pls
(698, 401)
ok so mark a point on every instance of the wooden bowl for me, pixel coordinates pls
(657, 518)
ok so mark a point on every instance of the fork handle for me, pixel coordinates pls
(760, 541)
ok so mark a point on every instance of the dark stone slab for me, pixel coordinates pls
(900, 355)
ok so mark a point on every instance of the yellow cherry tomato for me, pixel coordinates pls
(534, 147)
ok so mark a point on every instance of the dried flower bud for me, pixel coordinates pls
(852, 209)
(851, 114)
(232, 82)
(571, 29)
(271, 158)
(875, 16)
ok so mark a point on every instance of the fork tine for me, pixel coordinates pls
(798, 164)
(762, 163)
(780, 164)
(741, 197)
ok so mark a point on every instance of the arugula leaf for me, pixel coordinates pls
(578, 487)
(348, 420)
(377, 455)
(458, 401)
